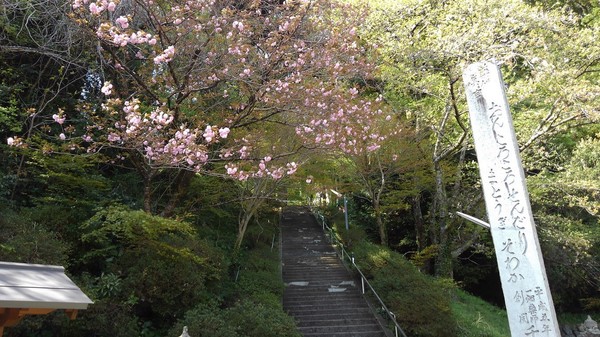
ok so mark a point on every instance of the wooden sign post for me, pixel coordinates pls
(526, 292)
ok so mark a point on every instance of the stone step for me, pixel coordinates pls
(348, 328)
(313, 307)
(340, 302)
(292, 295)
(330, 315)
(337, 297)
(303, 322)
(346, 334)
(323, 307)
(317, 269)
(339, 276)
(302, 285)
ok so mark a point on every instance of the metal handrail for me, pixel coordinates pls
(363, 279)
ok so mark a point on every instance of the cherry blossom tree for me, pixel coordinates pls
(191, 86)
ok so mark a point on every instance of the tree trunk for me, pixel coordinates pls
(148, 192)
(443, 263)
(242, 227)
(383, 237)
(248, 210)
(420, 230)
(180, 187)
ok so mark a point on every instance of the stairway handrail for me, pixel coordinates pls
(363, 278)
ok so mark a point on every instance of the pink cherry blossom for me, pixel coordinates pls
(166, 123)
(231, 170)
(166, 56)
(113, 137)
(373, 147)
(106, 88)
(209, 134)
(291, 168)
(94, 9)
(58, 119)
(123, 22)
(223, 132)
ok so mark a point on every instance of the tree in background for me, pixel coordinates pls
(188, 86)
(43, 62)
(426, 45)
(376, 175)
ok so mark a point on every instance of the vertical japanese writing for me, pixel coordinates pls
(506, 196)
(534, 311)
(526, 292)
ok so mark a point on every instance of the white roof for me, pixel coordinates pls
(38, 286)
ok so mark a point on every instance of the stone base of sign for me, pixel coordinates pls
(589, 328)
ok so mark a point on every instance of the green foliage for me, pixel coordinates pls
(100, 319)
(246, 318)
(591, 303)
(60, 191)
(205, 320)
(566, 205)
(424, 47)
(252, 307)
(426, 254)
(477, 318)
(27, 241)
(9, 121)
(570, 260)
(158, 263)
(415, 298)
(264, 226)
(208, 201)
(261, 320)
(260, 273)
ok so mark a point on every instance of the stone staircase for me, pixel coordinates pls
(321, 294)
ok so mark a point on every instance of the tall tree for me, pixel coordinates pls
(186, 86)
(426, 45)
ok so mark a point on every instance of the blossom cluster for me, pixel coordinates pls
(274, 171)
(196, 64)
(153, 134)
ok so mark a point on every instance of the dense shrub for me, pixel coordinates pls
(255, 319)
(421, 303)
(260, 272)
(100, 319)
(159, 265)
(26, 241)
(246, 318)
(205, 320)
(252, 307)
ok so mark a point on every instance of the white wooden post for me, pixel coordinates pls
(524, 282)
